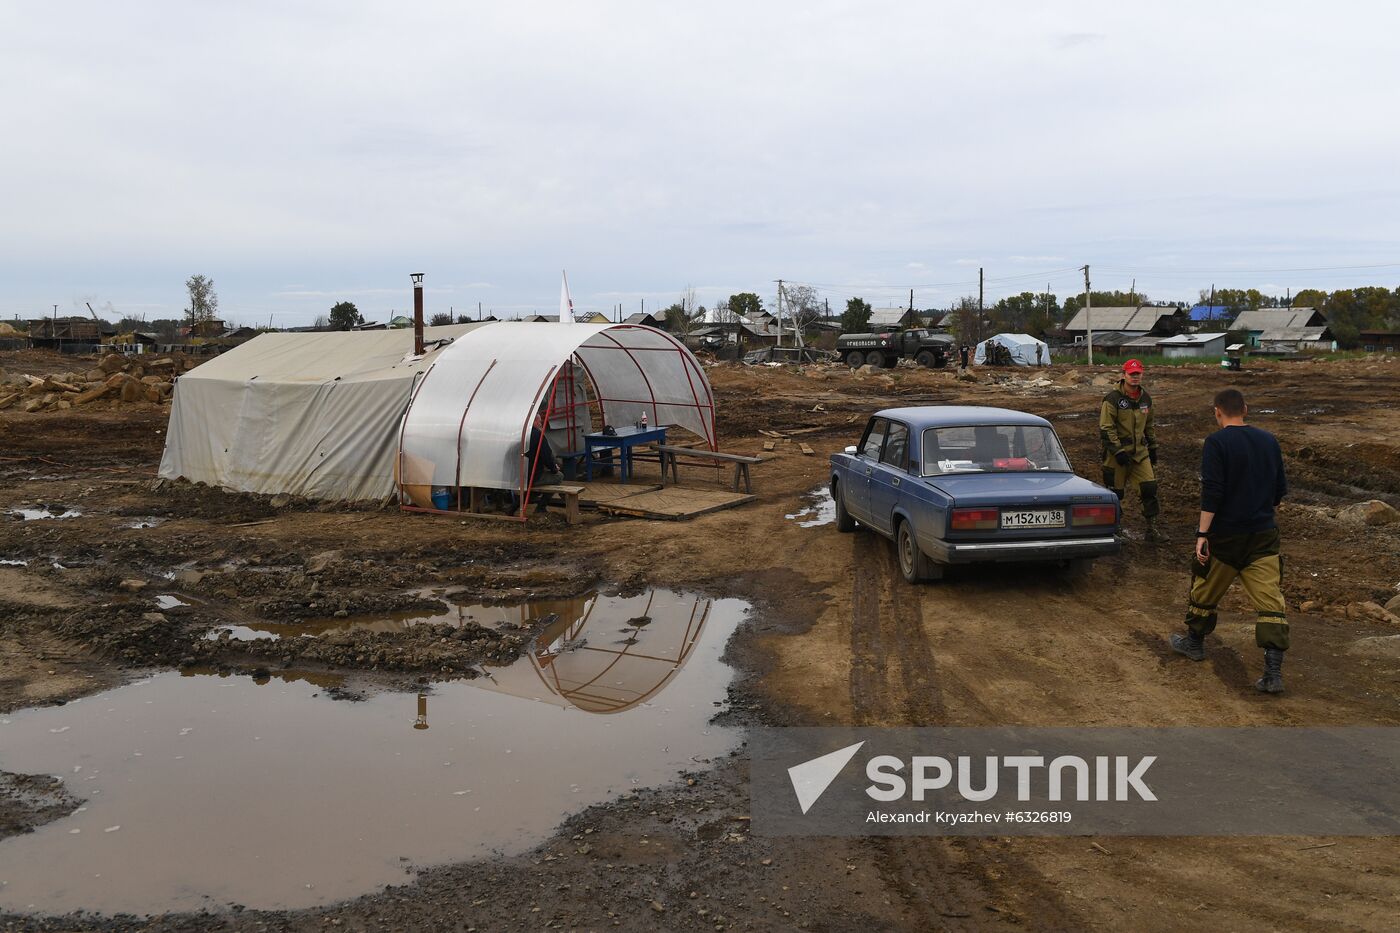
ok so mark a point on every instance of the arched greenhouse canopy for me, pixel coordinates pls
(470, 418)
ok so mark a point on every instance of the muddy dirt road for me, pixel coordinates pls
(832, 636)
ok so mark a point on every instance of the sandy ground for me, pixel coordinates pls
(837, 638)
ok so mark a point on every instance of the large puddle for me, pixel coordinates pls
(203, 791)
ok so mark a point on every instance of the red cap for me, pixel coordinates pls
(1132, 366)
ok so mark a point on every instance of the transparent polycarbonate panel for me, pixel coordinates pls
(430, 433)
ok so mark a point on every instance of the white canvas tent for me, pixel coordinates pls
(323, 415)
(1022, 347)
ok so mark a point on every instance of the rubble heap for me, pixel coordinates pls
(117, 380)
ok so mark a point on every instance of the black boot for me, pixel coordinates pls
(1272, 681)
(1190, 644)
(1156, 534)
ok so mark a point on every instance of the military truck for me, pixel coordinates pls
(886, 349)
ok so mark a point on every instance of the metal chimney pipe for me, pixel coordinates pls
(417, 313)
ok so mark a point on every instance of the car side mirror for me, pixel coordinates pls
(851, 451)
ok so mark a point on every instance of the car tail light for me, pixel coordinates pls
(1094, 515)
(975, 519)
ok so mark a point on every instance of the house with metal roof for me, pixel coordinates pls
(1286, 329)
(646, 319)
(1207, 313)
(894, 318)
(1139, 321)
(1192, 345)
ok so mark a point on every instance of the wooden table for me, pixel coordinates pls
(623, 441)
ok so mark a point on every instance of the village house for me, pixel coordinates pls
(1289, 330)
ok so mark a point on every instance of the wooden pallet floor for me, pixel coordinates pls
(597, 492)
(672, 502)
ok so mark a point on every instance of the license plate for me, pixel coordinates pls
(1038, 518)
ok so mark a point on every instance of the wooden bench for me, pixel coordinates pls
(569, 492)
(670, 458)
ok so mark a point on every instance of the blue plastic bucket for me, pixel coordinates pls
(442, 497)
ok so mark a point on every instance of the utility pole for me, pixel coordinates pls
(1088, 311)
(780, 312)
(980, 324)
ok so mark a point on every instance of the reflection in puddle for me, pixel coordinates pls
(43, 512)
(166, 601)
(822, 511)
(520, 615)
(142, 522)
(241, 633)
(278, 796)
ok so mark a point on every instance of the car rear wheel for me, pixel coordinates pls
(925, 359)
(855, 359)
(844, 522)
(914, 566)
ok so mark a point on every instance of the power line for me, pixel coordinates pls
(1380, 265)
(905, 286)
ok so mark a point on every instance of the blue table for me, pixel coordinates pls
(624, 440)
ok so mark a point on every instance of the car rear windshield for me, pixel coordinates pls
(992, 448)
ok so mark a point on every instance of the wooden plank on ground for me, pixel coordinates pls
(806, 450)
(675, 503)
(600, 491)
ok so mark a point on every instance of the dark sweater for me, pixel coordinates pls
(1241, 480)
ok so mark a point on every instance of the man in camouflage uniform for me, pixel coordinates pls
(1242, 483)
(1129, 444)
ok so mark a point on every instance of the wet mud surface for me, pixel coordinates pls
(833, 636)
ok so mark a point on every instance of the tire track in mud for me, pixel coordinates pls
(945, 882)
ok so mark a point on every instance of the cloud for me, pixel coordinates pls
(582, 145)
(1069, 40)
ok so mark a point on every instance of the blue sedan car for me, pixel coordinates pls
(967, 484)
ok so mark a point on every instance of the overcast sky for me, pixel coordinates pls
(301, 153)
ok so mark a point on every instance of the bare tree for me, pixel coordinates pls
(728, 318)
(680, 314)
(801, 307)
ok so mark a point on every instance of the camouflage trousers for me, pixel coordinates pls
(1256, 561)
(1140, 474)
